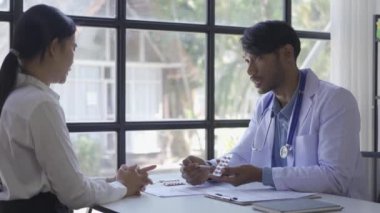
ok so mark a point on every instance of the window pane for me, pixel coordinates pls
(193, 11)
(165, 77)
(96, 152)
(98, 8)
(247, 12)
(235, 95)
(4, 40)
(315, 54)
(311, 15)
(166, 148)
(4, 5)
(226, 139)
(89, 93)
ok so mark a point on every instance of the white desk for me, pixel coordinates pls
(199, 204)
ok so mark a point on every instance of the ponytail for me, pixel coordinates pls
(8, 75)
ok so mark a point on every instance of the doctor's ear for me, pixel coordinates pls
(287, 52)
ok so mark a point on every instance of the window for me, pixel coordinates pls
(184, 11)
(4, 5)
(4, 39)
(89, 8)
(232, 100)
(165, 75)
(315, 54)
(156, 80)
(311, 15)
(167, 148)
(245, 13)
(96, 152)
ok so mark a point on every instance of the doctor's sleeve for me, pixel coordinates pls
(241, 153)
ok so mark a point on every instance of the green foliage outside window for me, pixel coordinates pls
(89, 154)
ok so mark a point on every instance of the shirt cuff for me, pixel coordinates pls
(122, 189)
(211, 162)
(98, 178)
(267, 177)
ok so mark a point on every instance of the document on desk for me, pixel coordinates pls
(243, 194)
(173, 188)
(249, 195)
(167, 190)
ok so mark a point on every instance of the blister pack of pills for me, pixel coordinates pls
(222, 164)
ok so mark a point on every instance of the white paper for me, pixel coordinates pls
(158, 189)
(255, 191)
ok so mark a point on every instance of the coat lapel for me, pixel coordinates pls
(311, 87)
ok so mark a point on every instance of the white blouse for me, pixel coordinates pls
(36, 153)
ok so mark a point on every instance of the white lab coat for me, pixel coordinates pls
(326, 151)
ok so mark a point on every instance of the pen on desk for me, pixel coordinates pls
(224, 197)
(204, 166)
(200, 166)
(171, 180)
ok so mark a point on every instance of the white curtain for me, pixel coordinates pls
(352, 62)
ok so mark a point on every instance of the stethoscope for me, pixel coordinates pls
(288, 147)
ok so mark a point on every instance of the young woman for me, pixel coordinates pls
(39, 171)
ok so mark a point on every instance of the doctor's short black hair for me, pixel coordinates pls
(266, 37)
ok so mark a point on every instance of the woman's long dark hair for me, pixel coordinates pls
(34, 32)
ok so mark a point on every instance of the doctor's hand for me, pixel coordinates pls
(194, 170)
(134, 178)
(240, 175)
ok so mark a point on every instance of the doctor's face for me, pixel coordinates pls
(265, 71)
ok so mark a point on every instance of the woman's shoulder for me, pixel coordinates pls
(25, 100)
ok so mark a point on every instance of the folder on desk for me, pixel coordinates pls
(247, 197)
(299, 205)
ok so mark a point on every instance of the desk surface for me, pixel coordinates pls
(199, 204)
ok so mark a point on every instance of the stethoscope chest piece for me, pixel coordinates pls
(284, 151)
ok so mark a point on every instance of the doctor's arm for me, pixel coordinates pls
(240, 170)
(241, 175)
(194, 174)
(241, 153)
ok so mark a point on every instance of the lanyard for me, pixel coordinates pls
(297, 109)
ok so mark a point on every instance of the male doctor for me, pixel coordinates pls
(304, 134)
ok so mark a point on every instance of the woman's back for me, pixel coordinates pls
(19, 166)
